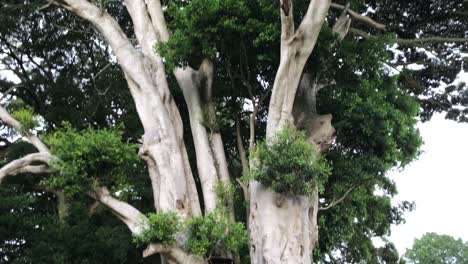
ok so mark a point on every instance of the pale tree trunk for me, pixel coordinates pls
(283, 228)
(163, 147)
(211, 162)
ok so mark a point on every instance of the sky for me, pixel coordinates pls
(437, 182)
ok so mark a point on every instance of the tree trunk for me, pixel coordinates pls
(283, 229)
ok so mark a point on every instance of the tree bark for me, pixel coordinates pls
(283, 229)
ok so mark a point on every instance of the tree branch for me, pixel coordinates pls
(358, 17)
(413, 42)
(173, 253)
(157, 18)
(343, 23)
(11, 89)
(432, 40)
(143, 28)
(34, 169)
(335, 202)
(240, 147)
(122, 47)
(134, 219)
(10, 121)
(24, 165)
(298, 49)
(314, 18)
(287, 19)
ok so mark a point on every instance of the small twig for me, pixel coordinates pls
(412, 42)
(5, 94)
(102, 70)
(335, 202)
(93, 207)
(45, 6)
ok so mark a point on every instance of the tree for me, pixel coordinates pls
(435, 248)
(219, 54)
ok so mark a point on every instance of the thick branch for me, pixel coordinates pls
(34, 169)
(24, 165)
(172, 253)
(315, 16)
(144, 30)
(157, 18)
(133, 218)
(297, 51)
(122, 47)
(358, 17)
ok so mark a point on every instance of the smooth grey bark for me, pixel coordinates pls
(163, 147)
(283, 228)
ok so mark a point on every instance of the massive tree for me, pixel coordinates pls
(202, 74)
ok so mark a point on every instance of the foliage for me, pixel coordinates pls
(289, 164)
(209, 28)
(31, 233)
(437, 249)
(90, 157)
(26, 117)
(214, 232)
(161, 227)
(207, 236)
(224, 195)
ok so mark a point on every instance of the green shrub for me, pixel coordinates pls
(288, 164)
(215, 232)
(26, 117)
(162, 228)
(90, 157)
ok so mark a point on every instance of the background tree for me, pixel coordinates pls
(435, 248)
(223, 56)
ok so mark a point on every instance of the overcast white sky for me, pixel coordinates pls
(437, 182)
